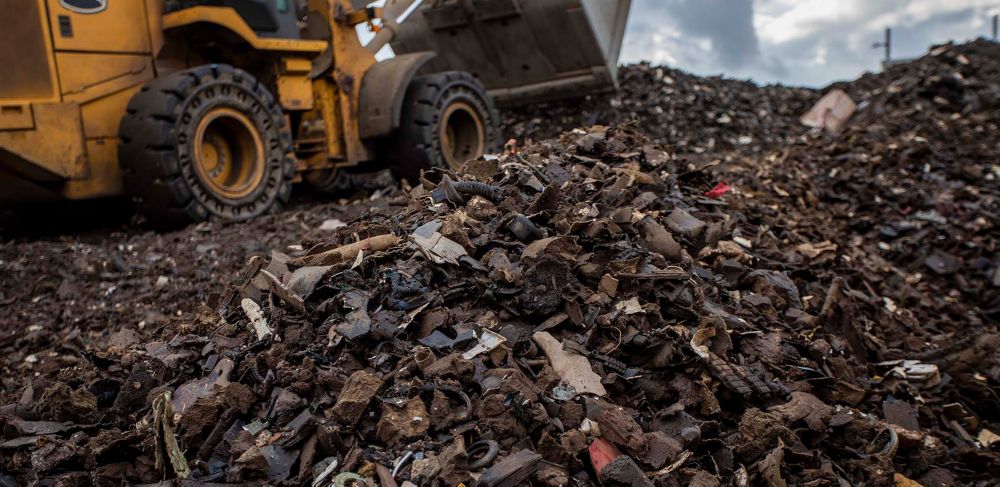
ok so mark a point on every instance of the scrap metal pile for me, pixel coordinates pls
(913, 182)
(592, 309)
(680, 111)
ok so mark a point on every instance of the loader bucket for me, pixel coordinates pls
(523, 51)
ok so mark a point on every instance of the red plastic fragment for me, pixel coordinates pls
(602, 453)
(719, 190)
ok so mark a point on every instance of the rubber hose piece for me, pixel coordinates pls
(492, 450)
(475, 188)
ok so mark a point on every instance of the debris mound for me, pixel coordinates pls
(910, 187)
(680, 111)
(576, 311)
(658, 302)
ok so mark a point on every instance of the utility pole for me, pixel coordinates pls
(887, 45)
(995, 17)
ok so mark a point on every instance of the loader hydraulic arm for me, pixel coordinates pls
(391, 18)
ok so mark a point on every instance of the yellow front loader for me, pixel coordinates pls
(203, 109)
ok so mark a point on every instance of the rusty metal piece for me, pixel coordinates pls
(613, 364)
(513, 470)
(624, 471)
(888, 450)
(658, 239)
(446, 191)
(734, 376)
(225, 421)
(423, 357)
(524, 229)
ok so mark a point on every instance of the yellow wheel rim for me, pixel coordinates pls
(229, 153)
(462, 134)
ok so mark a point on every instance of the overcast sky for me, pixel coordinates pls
(800, 42)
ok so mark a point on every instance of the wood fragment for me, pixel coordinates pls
(167, 448)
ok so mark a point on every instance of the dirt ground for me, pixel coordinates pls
(63, 293)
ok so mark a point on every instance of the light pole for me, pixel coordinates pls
(887, 44)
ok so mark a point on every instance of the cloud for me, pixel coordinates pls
(701, 33)
(727, 23)
(804, 42)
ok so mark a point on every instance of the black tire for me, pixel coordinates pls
(418, 143)
(347, 181)
(164, 171)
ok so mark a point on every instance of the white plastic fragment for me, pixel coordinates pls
(488, 341)
(321, 478)
(257, 320)
(744, 242)
(331, 224)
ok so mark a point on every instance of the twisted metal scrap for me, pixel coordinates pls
(734, 376)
